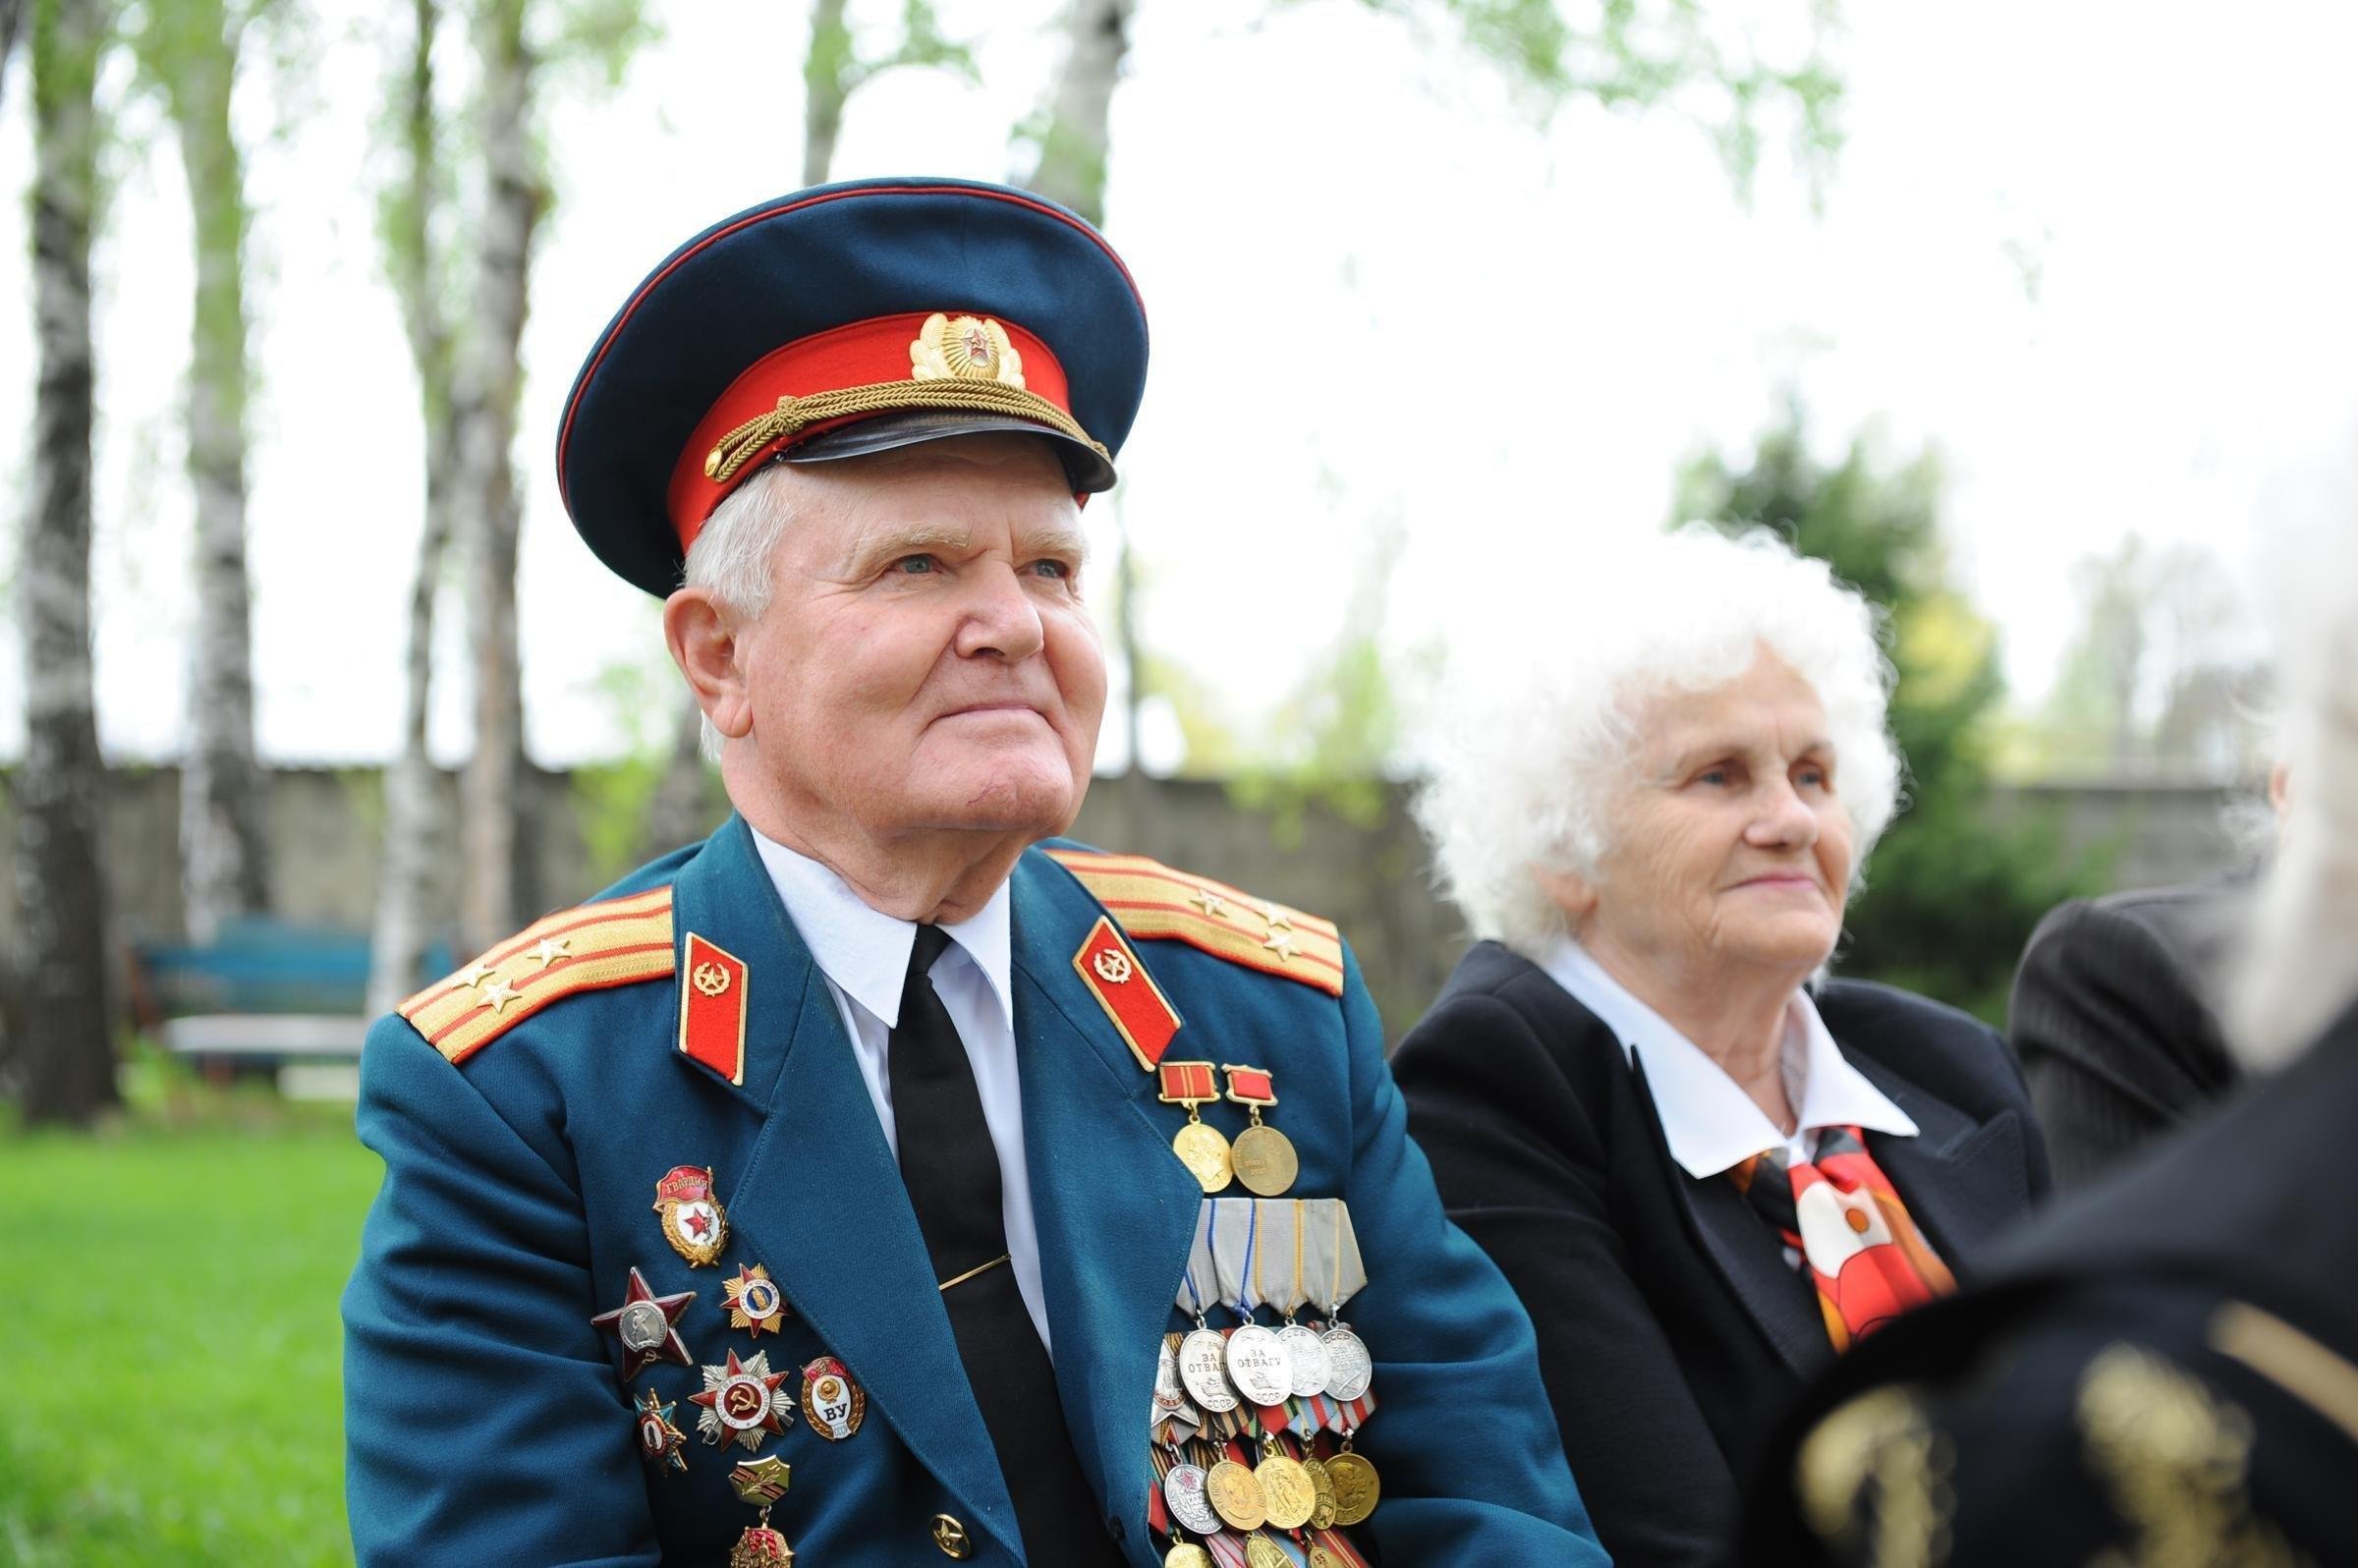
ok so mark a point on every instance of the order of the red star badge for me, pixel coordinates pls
(742, 1402)
(642, 1323)
(693, 1221)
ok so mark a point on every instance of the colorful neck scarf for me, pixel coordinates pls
(1839, 1211)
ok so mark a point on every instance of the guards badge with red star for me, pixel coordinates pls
(693, 1222)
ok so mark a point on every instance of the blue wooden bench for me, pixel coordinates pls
(267, 992)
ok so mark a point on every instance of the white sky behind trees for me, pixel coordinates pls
(2102, 262)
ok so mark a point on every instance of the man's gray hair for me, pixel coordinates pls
(1536, 729)
(731, 556)
(2300, 966)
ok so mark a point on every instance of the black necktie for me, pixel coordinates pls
(952, 1173)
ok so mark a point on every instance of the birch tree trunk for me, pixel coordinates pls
(1071, 170)
(485, 513)
(1072, 150)
(411, 805)
(827, 82)
(12, 13)
(66, 1056)
(223, 807)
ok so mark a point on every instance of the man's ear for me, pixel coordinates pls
(702, 637)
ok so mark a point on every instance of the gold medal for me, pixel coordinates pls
(1263, 1552)
(1199, 1145)
(1187, 1554)
(1322, 1508)
(1236, 1495)
(1205, 1153)
(1263, 1156)
(1320, 1557)
(1287, 1491)
(1356, 1488)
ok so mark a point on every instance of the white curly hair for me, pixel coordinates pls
(1536, 730)
(2300, 962)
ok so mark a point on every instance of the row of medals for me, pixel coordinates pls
(1268, 1367)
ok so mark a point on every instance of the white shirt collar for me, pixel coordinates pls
(865, 951)
(1708, 1119)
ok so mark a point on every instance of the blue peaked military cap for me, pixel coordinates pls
(842, 319)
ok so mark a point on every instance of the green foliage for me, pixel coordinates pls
(1951, 895)
(1670, 54)
(595, 39)
(611, 800)
(200, 1422)
(1335, 735)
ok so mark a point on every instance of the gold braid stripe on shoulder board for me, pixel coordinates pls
(1152, 902)
(617, 942)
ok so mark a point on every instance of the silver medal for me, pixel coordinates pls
(1349, 1369)
(1258, 1365)
(1204, 1369)
(1306, 1352)
(1183, 1490)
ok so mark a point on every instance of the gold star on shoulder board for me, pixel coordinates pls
(477, 973)
(1281, 942)
(497, 995)
(1209, 901)
(551, 949)
(1276, 916)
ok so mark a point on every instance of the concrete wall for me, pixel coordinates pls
(1372, 881)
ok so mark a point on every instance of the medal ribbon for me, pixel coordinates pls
(1198, 1266)
(1227, 1550)
(1346, 1272)
(1235, 1264)
(1281, 1233)
(1334, 1540)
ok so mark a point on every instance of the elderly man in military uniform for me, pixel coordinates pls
(885, 1175)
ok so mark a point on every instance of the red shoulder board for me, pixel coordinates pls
(617, 942)
(1154, 903)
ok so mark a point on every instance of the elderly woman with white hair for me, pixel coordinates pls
(1704, 1167)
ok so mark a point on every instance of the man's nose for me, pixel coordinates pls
(1001, 618)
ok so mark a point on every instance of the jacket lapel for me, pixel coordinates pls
(1747, 1253)
(1962, 1180)
(1114, 1208)
(820, 1201)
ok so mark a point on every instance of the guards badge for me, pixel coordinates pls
(693, 1221)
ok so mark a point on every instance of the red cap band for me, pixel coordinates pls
(858, 353)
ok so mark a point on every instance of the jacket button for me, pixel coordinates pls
(1113, 1525)
(951, 1537)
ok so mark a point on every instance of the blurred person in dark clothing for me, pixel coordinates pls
(2115, 1015)
(1706, 1171)
(2164, 1368)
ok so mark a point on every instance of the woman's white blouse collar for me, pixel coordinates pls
(1708, 1119)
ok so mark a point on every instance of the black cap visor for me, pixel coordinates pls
(1085, 466)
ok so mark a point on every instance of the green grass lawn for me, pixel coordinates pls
(172, 1391)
